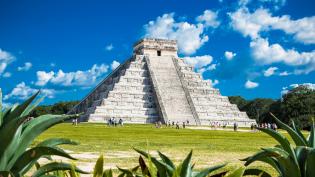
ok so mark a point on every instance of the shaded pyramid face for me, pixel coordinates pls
(155, 85)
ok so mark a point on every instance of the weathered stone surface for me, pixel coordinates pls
(155, 85)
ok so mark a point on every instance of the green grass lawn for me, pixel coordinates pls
(209, 147)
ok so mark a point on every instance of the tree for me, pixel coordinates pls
(299, 105)
(239, 101)
(258, 108)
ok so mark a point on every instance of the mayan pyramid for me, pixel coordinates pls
(156, 85)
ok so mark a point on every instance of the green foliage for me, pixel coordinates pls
(57, 108)
(289, 160)
(17, 134)
(299, 105)
(239, 101)
(165, 167)
(258, 108)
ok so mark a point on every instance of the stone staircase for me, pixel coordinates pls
(171, 95)
(130, 98)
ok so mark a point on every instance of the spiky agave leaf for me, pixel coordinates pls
(237, 173)
(186, 170)
(298, 140)
(256, 172)
(162, 167)
(34, 129)
(98, 168)
(55, 166)
(52, 142)
(311, 137)
(284, 142)
(206, 172)
(29, 157)
(108, 173)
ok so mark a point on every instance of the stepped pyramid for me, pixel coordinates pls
(155, 85)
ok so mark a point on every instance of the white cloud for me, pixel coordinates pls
(7, 74)
(213, 82)
(252, 24)
(285, 90)
(209, 19)
(208, 68)
(77, 78)
(114, 65)
(52, 64)
(43, 77)
(27, 66)
(198, 61)
(5, 59)
(22, 92)
(190, 37)
(270, 71)
(229, 55)
(264, 53)
(285, 73)
(250, 85)
(308, 85)
(109, 47)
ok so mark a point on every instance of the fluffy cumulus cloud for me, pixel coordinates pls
(250, 84)
(285, 90)
(22, 92)
(109, 47)
(77, 78)
(27, 66)
(284, 73)
(213, 82)
(7, 74)
(207, 68)
(270, 71)
(190, 37)
(5, 59)
(209, 19)
(114, 65)
(198, 61)
(266, 53)
(252, 24)
(229, 55)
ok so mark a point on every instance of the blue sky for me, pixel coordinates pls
(252, 48)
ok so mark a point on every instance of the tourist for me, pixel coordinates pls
(235, 126)
(121, 123)
(177, 125)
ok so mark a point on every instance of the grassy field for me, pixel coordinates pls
(209, 147)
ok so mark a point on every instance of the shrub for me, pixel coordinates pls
(17, 134)
(287, 159)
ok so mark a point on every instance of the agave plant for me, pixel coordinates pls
(287, 159)
(165, 167)
(17, 135)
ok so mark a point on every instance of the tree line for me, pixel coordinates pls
(297, 104)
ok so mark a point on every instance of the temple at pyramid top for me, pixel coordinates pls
(156, 85)
(156, 47)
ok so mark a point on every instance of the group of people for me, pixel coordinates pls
(272, 126)
(172, 124)
(177, 124)
(114, 122)
(75, 122)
